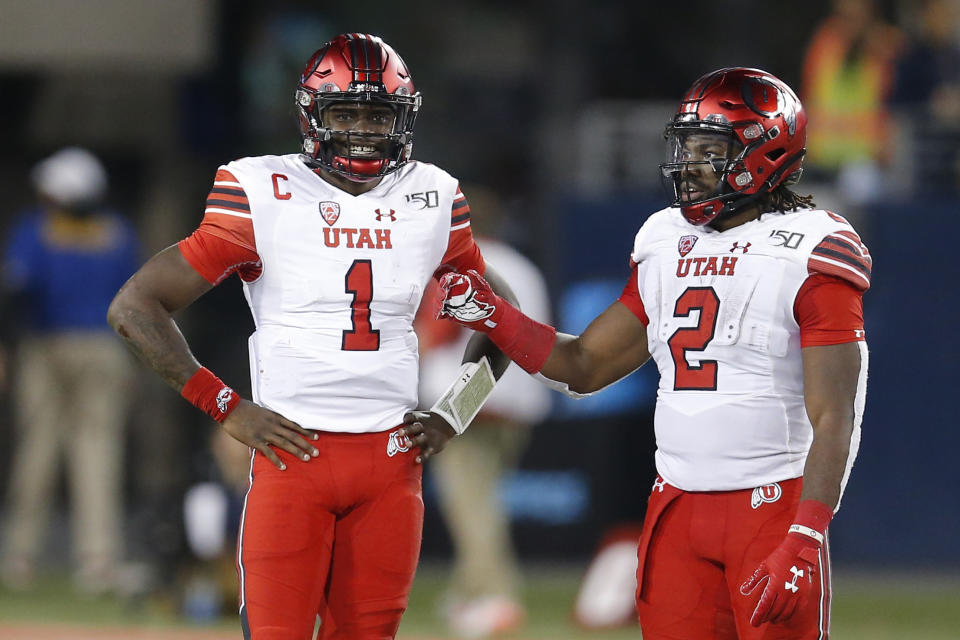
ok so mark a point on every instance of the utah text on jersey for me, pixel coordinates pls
(726, 323)
(333, 282)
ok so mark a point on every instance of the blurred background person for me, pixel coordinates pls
(926, 96)
(212, 510)
(63, 261)
(847, 74)
(483, 596)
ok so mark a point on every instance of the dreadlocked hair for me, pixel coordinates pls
(782, 199)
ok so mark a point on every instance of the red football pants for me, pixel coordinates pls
(697, 548)
(337, 536)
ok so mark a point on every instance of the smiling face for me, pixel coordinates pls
(361, 142)
(364, 126)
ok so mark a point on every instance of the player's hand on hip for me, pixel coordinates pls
(788, 576)
(468, 299)
(260, 428)
(428, 431)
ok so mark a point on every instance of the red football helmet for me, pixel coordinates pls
(358, 68)
(738, 134)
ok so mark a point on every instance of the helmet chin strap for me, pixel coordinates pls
(728, 207)
(734, 206)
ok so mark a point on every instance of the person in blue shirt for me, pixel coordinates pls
(64, 259)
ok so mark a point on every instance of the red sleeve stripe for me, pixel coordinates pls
(227, 196)
(227, 213)
(854, 239)
(843, 255)
(837, 217)
(842, 244)
(230, 191)
(233, 199)
(232, 205)
(840, 254)
(225, 176)
(459, 212)
(832, 267)
(845, 247)
(227, 207)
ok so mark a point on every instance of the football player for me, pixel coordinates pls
(335, 246)
(749, 300)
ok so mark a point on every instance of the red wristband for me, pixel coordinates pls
(523, 339)
(812, 519)
(208, 393)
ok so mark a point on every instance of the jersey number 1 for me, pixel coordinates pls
(359, 282)
(687, 377)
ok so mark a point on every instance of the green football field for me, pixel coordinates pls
(874, 606)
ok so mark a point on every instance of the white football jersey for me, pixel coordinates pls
(730, 408)
(341, 279)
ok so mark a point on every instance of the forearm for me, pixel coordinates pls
(614, 344)
(831, 379)
(606, 352)
(827, 459)
(150, 332)
(481, 345)
(570, 364)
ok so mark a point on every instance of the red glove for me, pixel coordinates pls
(468, 299)
(791, 570)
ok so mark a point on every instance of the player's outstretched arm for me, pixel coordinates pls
(480, 344)
(614, 344)
(482, 365)
(141, 313)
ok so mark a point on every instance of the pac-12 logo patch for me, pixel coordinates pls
(685, 245)
(767, 493)
(398, 443)
(330, 211)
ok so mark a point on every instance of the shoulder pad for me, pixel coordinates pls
(841, 254)
(650, 230)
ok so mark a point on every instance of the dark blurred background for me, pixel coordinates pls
(559, 108)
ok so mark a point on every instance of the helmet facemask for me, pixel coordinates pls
(703, 164)
(357, 155)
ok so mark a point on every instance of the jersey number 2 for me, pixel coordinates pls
(687, 377)
(359, 282)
